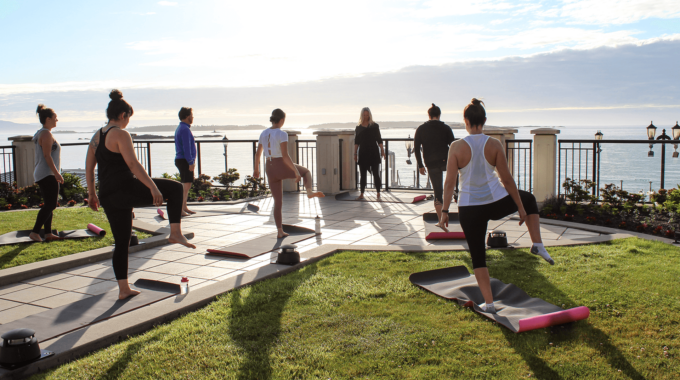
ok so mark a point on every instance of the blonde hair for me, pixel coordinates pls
(370, 116)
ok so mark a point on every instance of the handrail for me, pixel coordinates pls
(620, 141)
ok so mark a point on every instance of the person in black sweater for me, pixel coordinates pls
(434, 137)
(367, 140)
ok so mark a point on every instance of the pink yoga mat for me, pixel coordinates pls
(552, 319)
(97, 230)
(419, 198)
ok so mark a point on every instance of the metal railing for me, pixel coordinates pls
(519, 153)
(581, 160)
(9, 164)
(306, 156)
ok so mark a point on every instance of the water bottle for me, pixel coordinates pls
(184, 285)
(317, 225)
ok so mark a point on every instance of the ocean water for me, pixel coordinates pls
(619, 162)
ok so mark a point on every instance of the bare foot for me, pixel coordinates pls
(180, 239)
(318, 194)
(443, 228)
(281, 235)
(123, 294)
(378, 197)
(185, 213)
(360, 197)
(189, 211)
(35, 237)
(52, 237)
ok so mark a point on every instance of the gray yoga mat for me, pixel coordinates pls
(455, 231)
(64, 319)
(264, 244)
(516, 310)
(17, 237)
(385, 197)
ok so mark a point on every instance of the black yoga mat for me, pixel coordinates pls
(437, 233)
(264, 244)
(385, 197)
(515, 309)
(17, 237)
(64, 319)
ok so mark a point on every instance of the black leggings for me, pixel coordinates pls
(120, 217)
(375, 169)
(437, 180)
(474, 220)
(49, 188)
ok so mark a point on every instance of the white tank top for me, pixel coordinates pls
(479, 183)
(271, 140)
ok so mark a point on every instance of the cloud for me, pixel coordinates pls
(552, 88)
(168, 3)
(600, 12)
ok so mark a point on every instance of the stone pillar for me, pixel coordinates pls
(503, 134)
(545, 162)
(327, 161)
(25, 158)
(348, 170)
(289, 184)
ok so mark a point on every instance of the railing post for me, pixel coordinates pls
(24, 156)
(348, 167)
(289, 184)
(545, 168)
(148, 158)
(663, 164)
(387, 166)
(14, 163)
(503, 134)
(198, 156)
(594, 167)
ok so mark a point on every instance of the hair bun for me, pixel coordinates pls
(116, 95)
(433, 105)
(40, 108)
(476, 101)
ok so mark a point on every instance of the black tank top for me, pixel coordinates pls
(113, 173)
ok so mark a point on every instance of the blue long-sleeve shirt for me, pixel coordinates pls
(185, 145)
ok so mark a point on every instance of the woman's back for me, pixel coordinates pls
(271, 140)
(41, 169)
(479, 183)
(113, 172)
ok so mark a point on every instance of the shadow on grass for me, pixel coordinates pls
(255, 320)
(117, 368)
(526, 344)
(7, 257)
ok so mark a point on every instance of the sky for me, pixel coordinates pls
(563, 62)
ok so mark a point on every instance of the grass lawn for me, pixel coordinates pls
(63, 219)
(356, 315)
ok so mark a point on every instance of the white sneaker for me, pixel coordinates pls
(543, 253)
(487, 308)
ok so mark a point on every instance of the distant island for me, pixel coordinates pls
(384, 125)
(171, 128)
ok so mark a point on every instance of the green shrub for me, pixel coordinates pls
(71, 189)
(227, 179)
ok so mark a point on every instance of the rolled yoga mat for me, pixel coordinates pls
(437, 233)
(97, 230)
(385, 197)
(515, 309)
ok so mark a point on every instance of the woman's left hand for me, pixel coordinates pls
(382, 153)
(522, 216)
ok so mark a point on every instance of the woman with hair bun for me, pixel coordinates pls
(124, 184)
(483, 196)
(274, 143)
(46, 172)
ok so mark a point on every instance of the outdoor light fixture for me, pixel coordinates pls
(651, 132)
(224, 143)
(409, 149)
(676, 136)
(598, 135)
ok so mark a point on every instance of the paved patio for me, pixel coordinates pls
(342, 223)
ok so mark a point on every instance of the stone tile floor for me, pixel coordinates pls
(341, 222)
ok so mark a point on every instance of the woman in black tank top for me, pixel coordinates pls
(124, 184)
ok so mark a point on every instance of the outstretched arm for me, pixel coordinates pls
(417, 146)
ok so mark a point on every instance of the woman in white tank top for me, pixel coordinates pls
(274, 144)
(487, 192)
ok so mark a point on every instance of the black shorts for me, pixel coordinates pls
(186, 175)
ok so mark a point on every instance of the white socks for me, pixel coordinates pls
(488, 307)
(539, 249)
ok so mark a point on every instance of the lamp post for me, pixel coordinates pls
(651, 132)
(409, 149)
(224, 144)
(676, 136)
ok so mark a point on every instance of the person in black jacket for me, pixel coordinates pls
(434, 137)
(367, 140)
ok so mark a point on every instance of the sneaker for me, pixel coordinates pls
(544, 254)
(490, 308)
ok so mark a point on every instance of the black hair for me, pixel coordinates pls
(277, 115)
(434, 111)
(185, 112)
(118, 105)
(475, 112)
(44, 113)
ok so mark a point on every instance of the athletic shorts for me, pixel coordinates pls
(186, 175)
